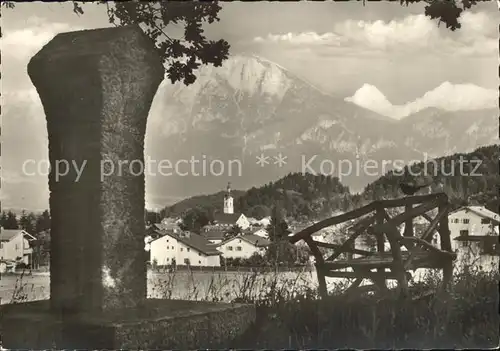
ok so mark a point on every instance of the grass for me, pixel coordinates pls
(290, 315)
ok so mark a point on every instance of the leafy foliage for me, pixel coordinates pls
(278, 228)
(445, 11)
(9, 220)
(195, 219)
(182, 56)
(151, 217)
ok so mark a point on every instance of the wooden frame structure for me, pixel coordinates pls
(373, 220)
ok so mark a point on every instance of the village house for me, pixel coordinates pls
(214, 235)
(473, 220)
(15, 245)
(474, 236)
(243, 246)
(183, 248)
(264, 222)
(168, 227)
(168, 221)
(262, 232)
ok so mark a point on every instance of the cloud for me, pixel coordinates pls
(26, 41)
(303, 38)
(478, 35)
(447, 96)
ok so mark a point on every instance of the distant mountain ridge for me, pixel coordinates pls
(251, 106)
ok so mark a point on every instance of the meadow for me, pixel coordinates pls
(290, 314)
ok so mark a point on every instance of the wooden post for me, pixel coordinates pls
(408, 232)
(379, 219)
(320, 267)
(444, 235)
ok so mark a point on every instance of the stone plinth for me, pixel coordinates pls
(160, 325)
(96, 87)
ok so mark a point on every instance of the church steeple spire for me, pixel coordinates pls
(228, 200)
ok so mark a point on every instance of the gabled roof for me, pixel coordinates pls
(256, 240)
(194, 241)
(227, 218)
(481, 211)
(8, 234)
(214, 235)
(252, 239)
(166, 226)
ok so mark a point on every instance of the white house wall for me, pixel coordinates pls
(243, 222)
(166, 248)
(474, 226)
(229, 249)
(10, 250)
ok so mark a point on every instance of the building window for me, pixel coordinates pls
(168, 259)
(485, 221)
(465, 221)
(230, 248)
(455, 220)
(17, 246)
(463, 243)
(188, 249)
(464, 232)
(238, 248)
(199, 262)
(186, 261)
(182, 249)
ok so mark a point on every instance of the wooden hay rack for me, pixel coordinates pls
(380, 265)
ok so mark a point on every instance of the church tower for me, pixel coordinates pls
(228, 200)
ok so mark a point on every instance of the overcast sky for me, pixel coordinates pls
(341, 47)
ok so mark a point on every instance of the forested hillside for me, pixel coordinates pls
(471, 178)
(300, 195)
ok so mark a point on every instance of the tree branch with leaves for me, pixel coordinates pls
(181, 56)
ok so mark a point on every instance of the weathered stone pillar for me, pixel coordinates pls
(96, 87)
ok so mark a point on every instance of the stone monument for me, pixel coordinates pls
(96, 87)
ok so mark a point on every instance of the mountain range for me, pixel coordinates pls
(251, 106)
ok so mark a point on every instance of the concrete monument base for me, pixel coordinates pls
(159, 324)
